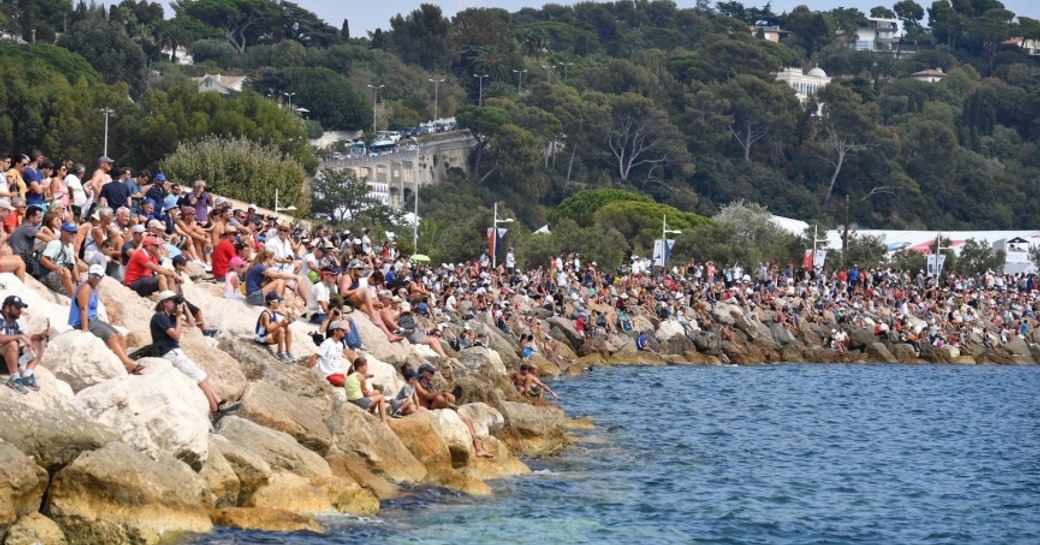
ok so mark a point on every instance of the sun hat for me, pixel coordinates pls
(337, 324)
(97, 270)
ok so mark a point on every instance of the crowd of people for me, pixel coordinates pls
(70, 230)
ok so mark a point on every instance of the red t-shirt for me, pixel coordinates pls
(135, 268)
(221, 257)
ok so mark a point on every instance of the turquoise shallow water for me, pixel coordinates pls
(786, 454)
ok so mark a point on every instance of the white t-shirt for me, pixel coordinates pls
(319, 293)
(282, 249)
(79, 197)
(330, 358)
(366, 244)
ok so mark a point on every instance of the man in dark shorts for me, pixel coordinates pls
(144, 275)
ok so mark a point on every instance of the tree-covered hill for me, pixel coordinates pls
(681, 104)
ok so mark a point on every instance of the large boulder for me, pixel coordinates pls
(486, 420)
(539, 428)
(274, 408)
(452, 430)
(481, 359)
(225, 374)
(419, 436)
(220, 480)
(48, 426)
(563, 329)
(45, 306)
(22, 484)
(81, 360)
(781, 334)
(161, 411)
(265, 520)
(375, 342)
(35, 529)
(129, 311)
(279, 450)
(501, 466)
(293, 493)
(118, 495)
(668, 329)
(360, 434)
(251, 471)
(879, 353)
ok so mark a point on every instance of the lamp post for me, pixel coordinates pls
(106, 112)
(494, 233)
(375, 99)
(519, 80)
(279, 209)
(565, 66)
(665, 231)
(436, 96)
(415, 213)
(549, 68)
(289, 96)
(480, 97)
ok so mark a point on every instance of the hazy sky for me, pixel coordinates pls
(367, 16)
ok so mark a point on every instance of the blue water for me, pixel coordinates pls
(787, 454)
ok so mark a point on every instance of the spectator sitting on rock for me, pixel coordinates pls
(180, 267)
(407, 400)
(59, 260)
(273, 329)
(355, 288)
(171, 315)
(329, 357)
(234, 279)
(263, 279)
(22, 351)
(144, 275)
(526, 382)
(318, 304)
(83, 315)
(359, 394)
(431, 399)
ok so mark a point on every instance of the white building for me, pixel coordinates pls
(930, 76)
(804, 85)
(878, 35)
(224, 85)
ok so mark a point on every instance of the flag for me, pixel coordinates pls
(935, 269)
(807, 260)
(819, 259)
(662, 252)
(493, 241)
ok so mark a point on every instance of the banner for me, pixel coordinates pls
(933, 269)
(807, 260)
(819, 259)
(662, 252)
(493, 241)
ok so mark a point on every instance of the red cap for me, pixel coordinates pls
(148, 241)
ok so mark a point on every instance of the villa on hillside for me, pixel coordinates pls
(877, 35)
(805, 85)
(930, 76)
(1029, 46)
(772, 33)
(224, 85)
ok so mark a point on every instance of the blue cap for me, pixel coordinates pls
(160, 177)
(149, 201)
(409, 374)
(69, 228)
(272, 297)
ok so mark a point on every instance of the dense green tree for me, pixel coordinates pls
(422, 37)
(339, 196)
(583, 205)
(754, 109)
(108, 48)
(331, 98)
(242, 21)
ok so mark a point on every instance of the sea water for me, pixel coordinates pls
(781, 454)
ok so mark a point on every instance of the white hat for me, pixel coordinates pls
(97, 270)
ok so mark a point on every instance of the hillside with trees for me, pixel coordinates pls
(678, 104)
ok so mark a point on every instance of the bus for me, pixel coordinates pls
(381, 147)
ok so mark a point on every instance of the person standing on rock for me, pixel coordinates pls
(167, 325)
(22, 351)
(83, 315)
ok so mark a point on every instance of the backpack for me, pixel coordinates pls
(32, 263)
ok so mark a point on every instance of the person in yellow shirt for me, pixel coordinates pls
(15, 182)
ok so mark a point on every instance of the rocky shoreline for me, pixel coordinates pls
(97, 456)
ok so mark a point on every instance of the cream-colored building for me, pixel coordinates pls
(931, 76)
(221, 84)
(804, 84)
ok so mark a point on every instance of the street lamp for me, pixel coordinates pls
(548, 68)
(480, 97)
(289, 96)
(107, 112)
(665, 231)
(375, 98)
(279, 209)
(494, 234)
(415, 214)
(519, 80)
(436, 96)
(565, 66)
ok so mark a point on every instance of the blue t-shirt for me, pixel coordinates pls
(255, 278)
(158, 326)
(116, 194)
(32, 175)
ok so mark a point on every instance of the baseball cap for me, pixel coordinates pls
(69, 228)
(105, 159)
(272, 297)
(338, 324)
(180, 260)
(160, 177)
(139, 228)
(406, 306)
(156, 223)
(236, 261)
(427, 368)
(410, 374)
(97, 270)
(151, 241)
(14, 300)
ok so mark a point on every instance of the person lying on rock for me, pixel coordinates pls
(22, 351)
(167, 325)
(83, 316)
(429, 398)
(272, 329)
(359, 394)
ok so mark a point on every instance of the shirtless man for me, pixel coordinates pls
(430, 399)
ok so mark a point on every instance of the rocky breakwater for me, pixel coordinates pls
(756, 336)
(97, 456)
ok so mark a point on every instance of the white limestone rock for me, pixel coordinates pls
(81, 360)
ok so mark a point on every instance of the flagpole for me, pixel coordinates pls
(494, 239)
